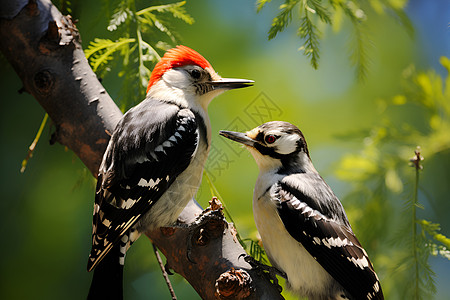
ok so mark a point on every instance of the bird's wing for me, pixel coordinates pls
(332, 243)
(146, 153)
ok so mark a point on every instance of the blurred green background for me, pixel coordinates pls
(45, 213)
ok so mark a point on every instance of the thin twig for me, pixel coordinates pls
(416, 164)
(163, 270)
(33, 144)
(416, 279)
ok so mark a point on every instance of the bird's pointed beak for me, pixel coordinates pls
(238, 137)
(231, 83)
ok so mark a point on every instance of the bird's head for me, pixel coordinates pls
(185, 77)
(275, 145)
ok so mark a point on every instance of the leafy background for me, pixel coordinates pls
(362, 121)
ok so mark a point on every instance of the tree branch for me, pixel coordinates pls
(43, 46)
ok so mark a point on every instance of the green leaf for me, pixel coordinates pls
(282, 20)
(100, 50)
(320, 10)
(433, 230)
(151, 52)
(332, 12)
(309, 32)
(338, 18)
(260, 4)
(440, 250)
(354, 12)
(442, 239)
(360, 39)
(161, 27)
(176, 9)
(256, 250)
(144, 74)
(379, 173)
(119, 17)
(359, 56)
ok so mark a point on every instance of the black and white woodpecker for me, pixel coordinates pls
(303, 226)
(154, 161)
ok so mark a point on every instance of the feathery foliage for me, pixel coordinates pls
(139, 36)
(382, 181)
(101, 51)
(314, 14)
(307, 31)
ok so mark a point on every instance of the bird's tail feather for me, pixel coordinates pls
(107, 282)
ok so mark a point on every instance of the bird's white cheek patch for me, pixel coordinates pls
(176, 78)
(287, 144)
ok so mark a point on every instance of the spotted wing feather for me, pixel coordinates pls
(146, 153)
(328, 238)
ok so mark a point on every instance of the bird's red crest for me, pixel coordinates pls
(177, 57)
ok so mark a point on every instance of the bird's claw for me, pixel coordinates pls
(167, 269)
(268, 271)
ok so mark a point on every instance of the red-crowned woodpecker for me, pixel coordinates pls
(303, 226)
(154, 161)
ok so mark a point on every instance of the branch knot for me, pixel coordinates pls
(44, 80)
(234, 284)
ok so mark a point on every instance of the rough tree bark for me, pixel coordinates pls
(43, 46)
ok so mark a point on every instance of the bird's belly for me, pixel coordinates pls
(305, 275)
(167, 208)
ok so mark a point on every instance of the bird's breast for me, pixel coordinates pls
(305, 275)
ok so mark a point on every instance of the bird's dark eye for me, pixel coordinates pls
(196, 74)
(270, 139)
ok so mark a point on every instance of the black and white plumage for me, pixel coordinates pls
(303, 226)
(142, 161)
(153, 164)
(151, 169)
